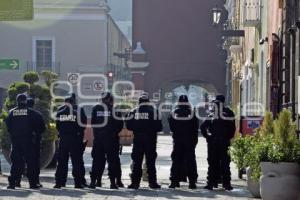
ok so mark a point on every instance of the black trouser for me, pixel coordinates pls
(69, 146)
(81, 163)
(23, 151)
(37, 147)
(183, 161)
(218, 161)
(105, 150)
(102, 168)
(144, 144)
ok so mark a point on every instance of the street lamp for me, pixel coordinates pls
(217, 12)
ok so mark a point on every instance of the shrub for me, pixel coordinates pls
(31, 77)
(275, 142)
(49, 77)
(36, 91)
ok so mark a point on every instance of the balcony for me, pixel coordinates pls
(252, 13)
(54, 67)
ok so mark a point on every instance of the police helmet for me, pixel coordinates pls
(144, 99)
(21, 99)
(183, 99)
(220, 98)
(107, 98)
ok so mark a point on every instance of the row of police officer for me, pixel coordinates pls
(145, 124)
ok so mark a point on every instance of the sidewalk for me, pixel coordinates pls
(163, 169)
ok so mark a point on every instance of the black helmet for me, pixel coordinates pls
(144, 99)
(220, 98)
(21, 99)
(183, 99)
(107, 98)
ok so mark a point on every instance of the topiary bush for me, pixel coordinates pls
(31, 77)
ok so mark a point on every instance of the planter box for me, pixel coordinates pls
(253, 186)
(280, 181)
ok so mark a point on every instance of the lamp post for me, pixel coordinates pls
(216, 13)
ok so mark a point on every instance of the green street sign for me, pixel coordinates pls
(9, 64)
(16, 10)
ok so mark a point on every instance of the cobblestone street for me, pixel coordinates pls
(163, 168)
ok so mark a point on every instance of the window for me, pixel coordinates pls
(43, 53)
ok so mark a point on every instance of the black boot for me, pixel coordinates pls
(93, 181)
(192, 185)
(134, 186)
(174, 184)
(119, 182)
(18, 184)
(113, 184)
(11, 183)
(57, 186)
(93, 184)
(154, 185)
(34, 186)
(98, 183)
(209, 187)
(78, 184)
(227, 187)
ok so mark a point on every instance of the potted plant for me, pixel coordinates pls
(279, 154)
(41, 94)
(241, 155)
(244, 150)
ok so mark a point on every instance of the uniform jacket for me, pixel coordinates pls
(67, 122)
(110, 126)
(22, 122)
(215, 127)
(144, 120)
(184, 123)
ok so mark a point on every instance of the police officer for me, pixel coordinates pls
(144, 123)
(184, 126)
(83, 120)
(106, 129)
(218, 130)
(68, 126)
(21, 129)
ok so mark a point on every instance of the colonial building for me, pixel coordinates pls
(265, 65)
(65, 36)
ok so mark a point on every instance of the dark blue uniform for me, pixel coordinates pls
(184, 126)
(144, 123)
(218, 132)
(83, 120)
(22, 123)
(106, 144)
(70, 144)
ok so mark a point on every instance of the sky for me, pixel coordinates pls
(121, 10)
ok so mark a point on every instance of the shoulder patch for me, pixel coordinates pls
(71, 118)
(20, 112)
(138, 116)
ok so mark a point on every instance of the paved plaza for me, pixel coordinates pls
(163, 168)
